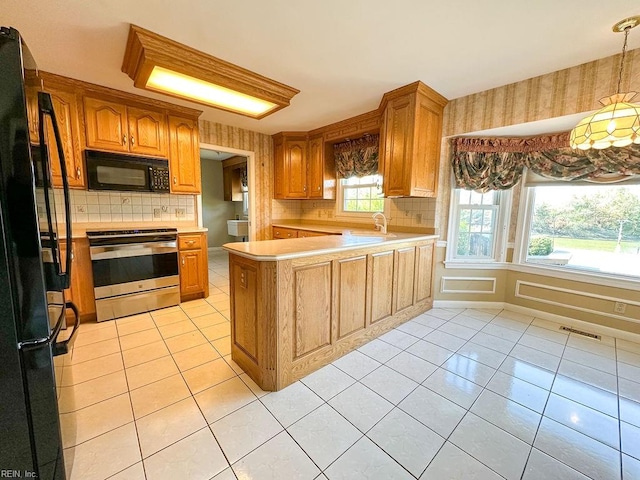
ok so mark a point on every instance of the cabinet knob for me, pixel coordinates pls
(191, 242)
(124, 140)
(175, 180)
(133, 140)
(304, 189)
(182, 260)
(78, 173)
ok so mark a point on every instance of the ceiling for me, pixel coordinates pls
(342, 55)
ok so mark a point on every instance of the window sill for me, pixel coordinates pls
(476, 265)
(576, 275)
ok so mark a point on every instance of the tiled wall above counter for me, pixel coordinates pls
(104, 206)
(402, 212)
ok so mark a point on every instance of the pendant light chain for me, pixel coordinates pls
(624, 53)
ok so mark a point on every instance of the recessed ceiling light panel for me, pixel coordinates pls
(162, 65)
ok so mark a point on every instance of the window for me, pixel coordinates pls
(477, 225)
(594, 228)
(361, 194)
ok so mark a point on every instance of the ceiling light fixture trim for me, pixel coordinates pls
(159, 64)
(617, 124)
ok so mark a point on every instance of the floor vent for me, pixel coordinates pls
(580, 332)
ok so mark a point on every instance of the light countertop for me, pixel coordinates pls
(274, 250)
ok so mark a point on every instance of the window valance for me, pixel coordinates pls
(357, 158)
(484, 164)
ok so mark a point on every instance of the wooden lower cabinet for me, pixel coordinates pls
(81, 291)
(194, 266)
(291, 317)
(281, 233)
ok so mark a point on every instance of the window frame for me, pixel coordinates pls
(500, 233)
(523, 233)
(341, 213)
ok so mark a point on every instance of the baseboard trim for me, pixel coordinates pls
(552, 317)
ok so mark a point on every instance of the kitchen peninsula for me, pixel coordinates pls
(298, 304)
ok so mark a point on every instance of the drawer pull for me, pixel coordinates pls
(78, 173)
(124, 140)
(133, 141)
(182, 260)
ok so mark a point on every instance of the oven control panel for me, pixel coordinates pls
(159, 179)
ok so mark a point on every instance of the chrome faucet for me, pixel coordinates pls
(383, 227)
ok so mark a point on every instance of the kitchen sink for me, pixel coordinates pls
(238, 228)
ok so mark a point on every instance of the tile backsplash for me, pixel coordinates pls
(105, 206)
(404, 212)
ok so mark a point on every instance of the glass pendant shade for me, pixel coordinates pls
(617, 124)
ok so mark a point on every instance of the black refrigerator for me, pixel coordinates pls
(33, 273)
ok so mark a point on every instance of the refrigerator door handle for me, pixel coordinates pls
(45, 107)
(40, 342)
(61, 348)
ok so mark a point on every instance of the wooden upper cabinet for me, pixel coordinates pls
(147, 132)
(290, 165)
(65, 107)
(316, 167)
(106, 125)
(184, 155)
(410, 141)
(301, 170)
(120, 128)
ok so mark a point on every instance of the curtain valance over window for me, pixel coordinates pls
(357, 158)
(484, 164)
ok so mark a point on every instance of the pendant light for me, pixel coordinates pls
(617, 124)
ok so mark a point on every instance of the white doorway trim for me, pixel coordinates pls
(251, 167)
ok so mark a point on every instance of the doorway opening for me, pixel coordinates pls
(227, 194)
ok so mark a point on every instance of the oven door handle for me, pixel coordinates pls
(132, 250)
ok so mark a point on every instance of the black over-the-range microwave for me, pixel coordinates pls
(127, 173)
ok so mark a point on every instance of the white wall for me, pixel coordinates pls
(215, 211)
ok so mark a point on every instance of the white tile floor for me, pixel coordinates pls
(451, 394)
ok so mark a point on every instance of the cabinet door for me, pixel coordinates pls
(404, 278)
(350, 295)
(426, 157)
(316, 168)
(147, 132)
(184, 155)
(81, 291)
(65, 106)
(398, 137)
(295, 168)
(106, 125)
(279, 180)
(424, 272)
(32, 113)
(66, 109)
(191, 272)
(381, 293)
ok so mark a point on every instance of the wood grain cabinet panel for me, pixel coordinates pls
(193, 266)
(106, 125)
(147, 132)
(404, 276)
(410, 140)
(184, 157)
(350, 295)
(316, 167)
(245, 308)
(300, 167)
(312, 308)
(81, 290)
(381, 278)
(65, 106)
(424, 273)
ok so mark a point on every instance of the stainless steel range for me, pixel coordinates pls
(134, 271)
